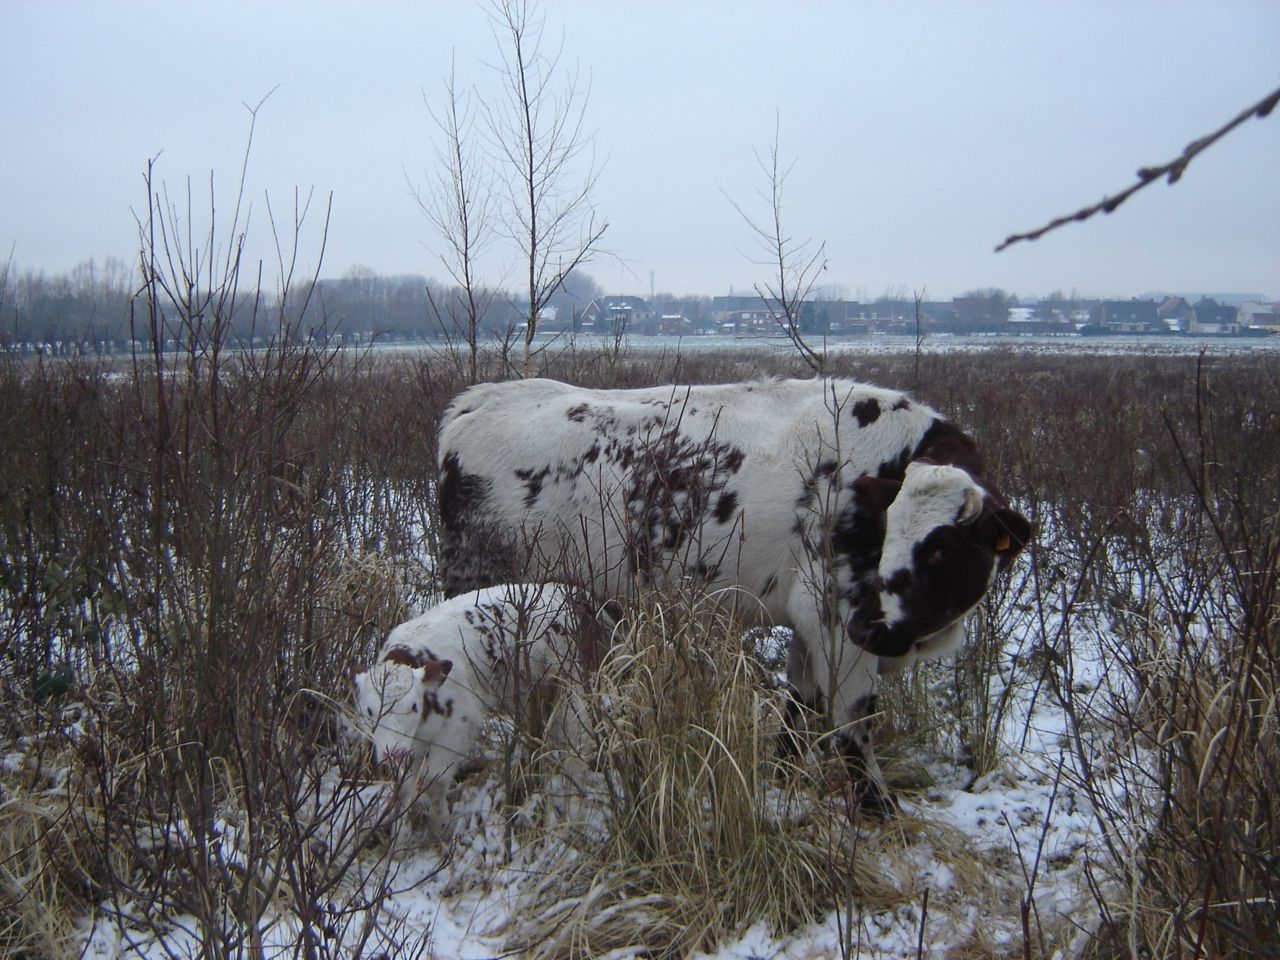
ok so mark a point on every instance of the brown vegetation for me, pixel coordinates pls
(196, 546)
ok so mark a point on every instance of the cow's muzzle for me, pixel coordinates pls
(396, 756)
(868, 630)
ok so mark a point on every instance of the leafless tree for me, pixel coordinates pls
(459, 202)
(796, 264)
(536, 129)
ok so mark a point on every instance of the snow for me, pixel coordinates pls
(889, 344)
(1028, 825)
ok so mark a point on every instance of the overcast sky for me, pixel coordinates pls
(922, 133)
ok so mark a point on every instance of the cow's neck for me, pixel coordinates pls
(946, 444)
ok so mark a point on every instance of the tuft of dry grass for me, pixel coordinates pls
(44, 869)
(699, 829)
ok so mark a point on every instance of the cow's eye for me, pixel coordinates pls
(414, 708)
(369, 711)
(938, 554)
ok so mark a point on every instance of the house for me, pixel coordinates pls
(757, 322)
(845, 318)
(617, 315)
(1124, 316)
(1212, 317)
(979, 314)
(726, 309)
(675, 325)
(555, 319)
(1260, 317)
(1054, 316)
(1031, 321)
(1177, 314)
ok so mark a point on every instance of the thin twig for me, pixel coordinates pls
(1146, 175)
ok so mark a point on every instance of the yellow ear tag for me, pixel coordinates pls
(1003, 544)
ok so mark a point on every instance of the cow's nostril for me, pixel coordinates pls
(867, 614)
(876, 636)
(863, 626)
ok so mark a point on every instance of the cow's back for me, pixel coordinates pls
(721, 482)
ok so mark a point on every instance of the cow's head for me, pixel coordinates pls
(945, 537)
(393, 700)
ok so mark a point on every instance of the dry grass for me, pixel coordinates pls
(700, 830)
(45, 867)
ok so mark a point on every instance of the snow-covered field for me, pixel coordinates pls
(1015, 852)
(1153, 346)
(980, 863)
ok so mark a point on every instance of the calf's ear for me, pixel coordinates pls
(402, 657)
(434, 671)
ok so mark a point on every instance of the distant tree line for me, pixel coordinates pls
(89, 308)
(88, 304)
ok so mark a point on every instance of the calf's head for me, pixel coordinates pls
(945, 538)
(394, 704)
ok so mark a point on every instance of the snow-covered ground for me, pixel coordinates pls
(590, 344)
(981, 863)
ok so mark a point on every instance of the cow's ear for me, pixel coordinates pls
(875, 493)
(971, 509)
(1008, 531)
(434, 671)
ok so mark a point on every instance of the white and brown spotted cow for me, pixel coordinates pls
(518, 649)
(854, 515)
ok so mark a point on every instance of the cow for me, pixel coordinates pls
(853, 514)
(513, 648)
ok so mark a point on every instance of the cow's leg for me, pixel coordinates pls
(570, 735)
(418, 798)
(870, 790)
(438, 775)
(845, 674)
(449, 748)
(854, 711)
(803, 699)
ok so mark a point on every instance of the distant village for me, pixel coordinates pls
(972, 315)
(92, 309)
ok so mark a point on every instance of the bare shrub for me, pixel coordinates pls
(197, 546)
(1193, 837)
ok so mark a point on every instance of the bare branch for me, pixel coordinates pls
(459, 204)
(1147, 175)
(795, 265)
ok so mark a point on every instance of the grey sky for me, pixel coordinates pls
(922, 133)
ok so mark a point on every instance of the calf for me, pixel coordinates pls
(855, 515)
(508, 648)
